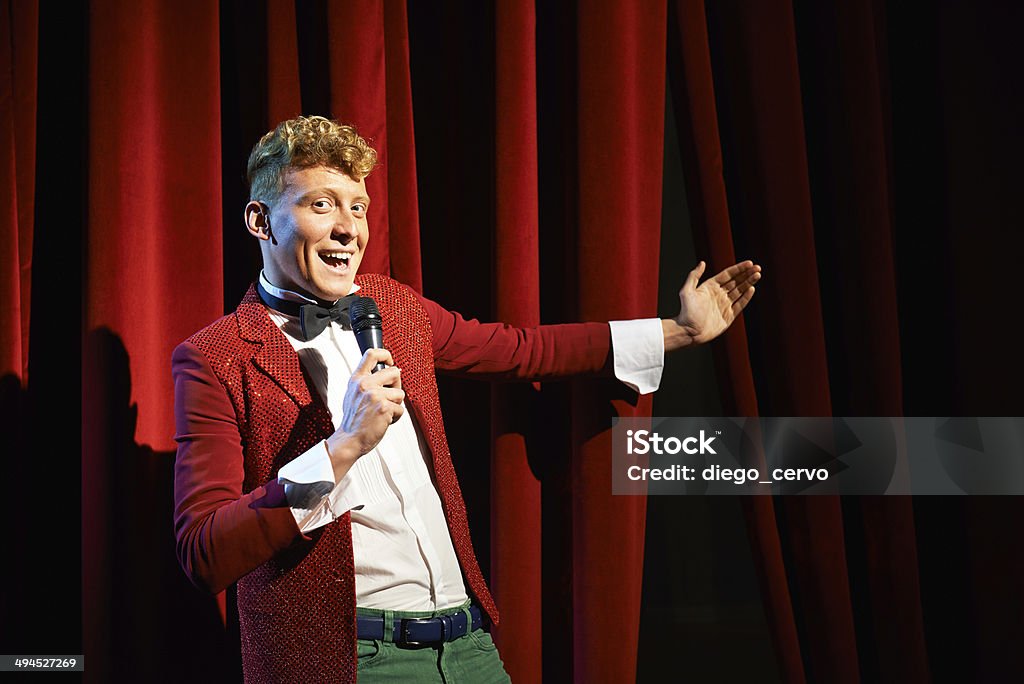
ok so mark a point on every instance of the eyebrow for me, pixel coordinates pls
(305, 197)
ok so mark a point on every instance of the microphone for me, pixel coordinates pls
(366, 324)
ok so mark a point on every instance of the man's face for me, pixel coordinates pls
(317, 233)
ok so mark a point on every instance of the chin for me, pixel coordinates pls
(333, 293)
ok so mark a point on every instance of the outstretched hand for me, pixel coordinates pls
(708, 309)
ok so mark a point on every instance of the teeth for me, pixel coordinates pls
(344, 256)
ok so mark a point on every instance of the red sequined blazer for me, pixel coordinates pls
(244, 407)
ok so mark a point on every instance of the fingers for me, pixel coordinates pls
(393, 395)
(393, 403)
(383, 401)
(373, 401)
(741, 279)
(390, 399)
(370, 359)
(739, 290)
(389, 377)
(737, 281)
(735, 270)
(740, 303)
(694, 277)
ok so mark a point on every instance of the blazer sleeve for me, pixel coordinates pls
(222, 534)
(496, 351)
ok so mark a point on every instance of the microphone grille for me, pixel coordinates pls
(364, 314)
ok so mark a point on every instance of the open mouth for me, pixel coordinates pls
(335, 260)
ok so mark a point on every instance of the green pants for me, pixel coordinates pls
(470, 659)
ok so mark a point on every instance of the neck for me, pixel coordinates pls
(291, 293)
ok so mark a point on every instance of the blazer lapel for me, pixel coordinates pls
(275, 356)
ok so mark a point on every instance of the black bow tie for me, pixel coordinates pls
(313, 318)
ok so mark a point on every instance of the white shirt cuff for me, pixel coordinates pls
(314, 468)
(638, 353)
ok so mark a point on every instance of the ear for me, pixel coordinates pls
(257, 220)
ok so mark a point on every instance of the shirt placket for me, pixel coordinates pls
(394, 463)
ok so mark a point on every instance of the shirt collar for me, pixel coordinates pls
(288, 294)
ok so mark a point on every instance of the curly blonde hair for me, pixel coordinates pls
(303, 142)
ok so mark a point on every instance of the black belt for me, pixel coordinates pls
(421, 631)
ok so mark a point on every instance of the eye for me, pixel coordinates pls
(323, 204)
(359, 208)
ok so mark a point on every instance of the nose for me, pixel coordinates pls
(346, 226)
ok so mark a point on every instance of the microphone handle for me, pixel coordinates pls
(371, 338)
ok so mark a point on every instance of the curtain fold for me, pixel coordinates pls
(706, 193)
(153, 273)
(18, 58)
(369, 86)
(846, 109)
(762, 81)
(404, 229)
(284, 88)
(620, 124)
(154, 250)
(515, 489)
(358, 95)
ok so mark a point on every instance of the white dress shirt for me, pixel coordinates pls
(404, 558)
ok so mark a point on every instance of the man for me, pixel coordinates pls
(326, 490)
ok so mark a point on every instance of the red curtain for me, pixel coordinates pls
(702, 153)
(759, 46)
(528, 188)
(515, 490)
(154, 258)
(620, 110)
(18, 45)
(152, 276)
(760, 53)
